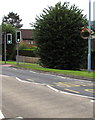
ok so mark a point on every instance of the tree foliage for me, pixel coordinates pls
(10, 48)
(13, 19)
(57, 33)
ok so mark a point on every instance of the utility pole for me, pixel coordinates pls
(89, 39)
(18, 39)
(17, 53)
(5, 47)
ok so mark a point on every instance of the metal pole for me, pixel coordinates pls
(5, 47)
(89, 40)
(17, 53)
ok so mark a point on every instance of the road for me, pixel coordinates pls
(74, 86)
(23, 96)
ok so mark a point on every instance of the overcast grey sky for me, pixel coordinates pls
(28, 9)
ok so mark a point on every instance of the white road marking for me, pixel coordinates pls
(86, 81)
(92, 100)
(56, 90)
(63, 77)
(48, 74)
(22, 80)
(74, 79)
(52, 88)
(3, 75)
(43, 73)
(20, 117)
(68, 92)
(14, 68)
(30, 81)
(1, 115)
(33, 72)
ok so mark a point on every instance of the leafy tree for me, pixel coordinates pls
(57, 33)
(10, 48)
(13, 19)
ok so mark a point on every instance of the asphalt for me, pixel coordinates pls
(61, 83)
(30, 100)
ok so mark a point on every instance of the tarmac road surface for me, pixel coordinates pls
(65, 84)
(29, 100)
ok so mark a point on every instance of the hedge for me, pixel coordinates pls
(28, 53)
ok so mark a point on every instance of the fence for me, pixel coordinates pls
(28, 59)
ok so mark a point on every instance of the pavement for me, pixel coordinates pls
(6, 65)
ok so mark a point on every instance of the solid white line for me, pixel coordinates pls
(1, 115)
(18, 79)
(68, 92)
(25, 81)
(56, 90)
(22, 80)
(3, 75)
(52, 88)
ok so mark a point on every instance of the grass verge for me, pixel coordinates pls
(30, 66)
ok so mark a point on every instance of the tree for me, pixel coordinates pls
(10, 48)
(13, 19)
(57, 33)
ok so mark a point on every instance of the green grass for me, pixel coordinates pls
(66, 72)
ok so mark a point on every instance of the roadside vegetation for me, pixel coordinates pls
(57, 34)
(37, 67)
(58, 44)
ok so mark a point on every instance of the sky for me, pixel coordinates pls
(29, 9)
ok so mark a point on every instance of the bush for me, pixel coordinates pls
(22, 46)
(30, 52)
(57, 33)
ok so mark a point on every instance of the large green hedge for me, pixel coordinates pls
(57, 32)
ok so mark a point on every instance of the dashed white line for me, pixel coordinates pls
(1, 115)
(48, 74)
(42, 73)
(63, 77)
(14, 68)
(20, 117)
(92, 101)
(74, 79)
(33, 72)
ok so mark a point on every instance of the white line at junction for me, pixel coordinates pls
(1, 115)
(56, 90)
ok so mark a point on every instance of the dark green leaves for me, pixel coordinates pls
(13, 19)
(58, 36)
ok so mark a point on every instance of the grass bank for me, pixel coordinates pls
(57, 71)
